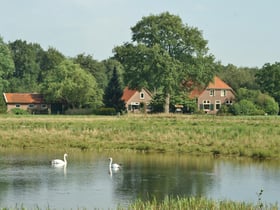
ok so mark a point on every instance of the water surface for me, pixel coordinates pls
(28, 179)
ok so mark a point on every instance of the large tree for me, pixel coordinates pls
(239, 77)
(268, 78)
(7, 69)
(26, 57)
(163, 53)
(49, 60)
(7, 66)
(97, 69)
(114, 92)
(71, 84)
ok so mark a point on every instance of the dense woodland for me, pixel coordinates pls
(163, 55)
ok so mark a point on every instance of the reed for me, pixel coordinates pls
(256, 137)
(196, 203)
(181, 203)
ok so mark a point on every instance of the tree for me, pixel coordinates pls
(268, 77)
(113, 93)
(27, 66)
(97, 69)
(241, 77)
(70, 84)
(7, 66)
(48, 61)
(263, 103)
(163, 53)
(7, 69)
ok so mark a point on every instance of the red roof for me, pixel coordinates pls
(128, 93)
(24, 98)
(218, 84)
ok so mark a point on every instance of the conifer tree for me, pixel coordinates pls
(113, 93)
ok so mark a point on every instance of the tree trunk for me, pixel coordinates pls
(166, 105)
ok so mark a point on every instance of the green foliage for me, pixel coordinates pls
(268, 78)
(27, 68)
(105, 111)
(113, 93)
(163, 53)
(246, 107)
(262, 102)
(70, 84)
(48, 61)
(197, 203)
(18, 111)
(7, 66)
(97, 69)
(267, 104)
(238, 77)
(157, 103)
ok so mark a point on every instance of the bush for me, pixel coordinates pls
(18, 111)
(105, 111)
(268, 104)
(84, 111)
(245, 107)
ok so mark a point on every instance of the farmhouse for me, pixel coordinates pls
(136, 100)
(216, 94)
(31, 102)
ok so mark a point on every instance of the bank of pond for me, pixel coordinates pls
(248, 136)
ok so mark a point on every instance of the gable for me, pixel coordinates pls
(218, 84)
(129, 93)
(23, 98)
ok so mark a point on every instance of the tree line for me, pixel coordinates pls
(164, 55)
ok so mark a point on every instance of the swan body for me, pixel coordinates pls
(113, 166)
(58, 162)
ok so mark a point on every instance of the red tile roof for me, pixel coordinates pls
(128, 93)
(24, 98)
(218, 84)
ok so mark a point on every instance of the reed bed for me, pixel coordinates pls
(193, 203)
(186, 203)
(256, 137)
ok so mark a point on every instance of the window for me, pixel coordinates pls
(223, 93)
(228, 102)
(212, 92)
(30, 105)
(142, 95)
(43, 106)
(217, 105)
(206, 105)
(17, 105)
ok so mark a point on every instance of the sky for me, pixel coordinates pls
(244, 33)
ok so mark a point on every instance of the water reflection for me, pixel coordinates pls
(88, 182)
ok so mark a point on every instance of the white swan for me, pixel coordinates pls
(113, 166)
(58, 162)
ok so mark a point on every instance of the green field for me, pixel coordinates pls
(256, 137)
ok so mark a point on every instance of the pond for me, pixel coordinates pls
(28, 179)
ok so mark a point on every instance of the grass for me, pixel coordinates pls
(190, 203)
(193, 203)
(255, 137)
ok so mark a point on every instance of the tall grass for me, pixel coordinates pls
(256, 137)
(181, 203)
(193, 203)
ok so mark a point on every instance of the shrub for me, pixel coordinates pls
(18, 111)
(84, 111)
(105, 111)
(246, 107)
(268, 104)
